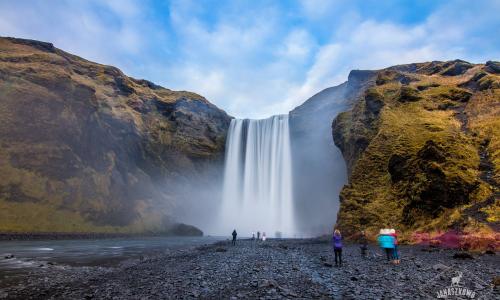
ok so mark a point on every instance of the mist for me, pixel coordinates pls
(317, 170)
(198, 197)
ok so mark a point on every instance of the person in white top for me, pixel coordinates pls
(263, 236)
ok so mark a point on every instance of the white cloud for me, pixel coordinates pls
(297, 45)
(316, 9)
(251, 60)
(113, 34)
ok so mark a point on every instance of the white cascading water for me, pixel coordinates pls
(257, 194)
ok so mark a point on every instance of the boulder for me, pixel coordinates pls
(493, 67)
(463, 255)
(459, 67)
(408, 94)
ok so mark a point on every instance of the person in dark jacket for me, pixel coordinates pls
(234, 237)
(363, 244)
(337, 247)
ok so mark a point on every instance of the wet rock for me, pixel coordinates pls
(496, 281)
(429, 249)
(440, 267)
(184, 230)
(463, 255)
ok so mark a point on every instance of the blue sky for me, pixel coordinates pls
(257, 58)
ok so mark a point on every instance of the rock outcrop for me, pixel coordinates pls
(318, 167)
(422, 147)
(85, 148)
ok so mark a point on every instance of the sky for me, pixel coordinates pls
(257, 58)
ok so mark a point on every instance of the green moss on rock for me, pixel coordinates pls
(413, 166)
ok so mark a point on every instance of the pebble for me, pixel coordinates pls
(280, 269)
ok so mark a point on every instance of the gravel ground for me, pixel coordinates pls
(274, 269)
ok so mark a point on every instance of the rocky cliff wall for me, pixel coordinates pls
(84, 147)
(422, 147)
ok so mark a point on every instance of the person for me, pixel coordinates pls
(337, 247)
(258, 235)
(253, 236)
(363, 243)
(395, 253)
(234, 237)
(386, 242)
(264, 237)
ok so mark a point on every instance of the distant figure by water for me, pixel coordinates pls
(264, 237)
(234, 237)
(258, 235)
(363, 244)
(337, 247)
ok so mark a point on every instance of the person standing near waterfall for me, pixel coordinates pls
(234, 237)
(337, 247)
(386, 242)
(363, 244)
(395, 252)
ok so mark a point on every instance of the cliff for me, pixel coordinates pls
(85, 148)
(422, 147)
(318, 167)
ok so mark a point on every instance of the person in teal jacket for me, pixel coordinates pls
(387, 242)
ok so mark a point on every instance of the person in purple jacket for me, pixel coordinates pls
(337, 247)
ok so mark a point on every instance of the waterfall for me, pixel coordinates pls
(257, 192)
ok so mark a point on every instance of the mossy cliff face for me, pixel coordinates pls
(422, 146)
(85, 148)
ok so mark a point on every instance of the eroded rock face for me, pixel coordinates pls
(84, 147)
(414, 146)
(318, 168)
